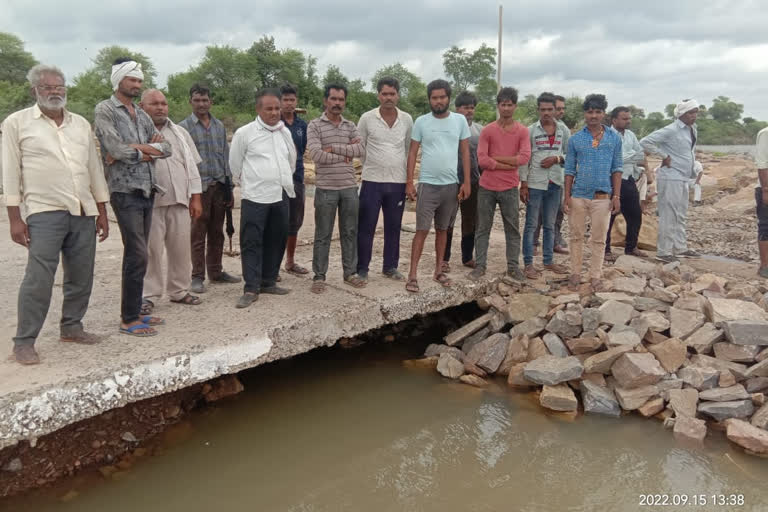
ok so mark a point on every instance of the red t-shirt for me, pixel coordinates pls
(495, 142)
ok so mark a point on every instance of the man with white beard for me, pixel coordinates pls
(53, 170)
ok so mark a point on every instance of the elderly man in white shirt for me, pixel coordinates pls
(676, 144)
(262, 158)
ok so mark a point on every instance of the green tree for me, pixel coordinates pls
(725, 110)
(527, 111)
(466, 69)
(486, 90)
(413, 91)
(13, 97)
(636, 112)
(574, 114)
(15, 61)
(670, 110)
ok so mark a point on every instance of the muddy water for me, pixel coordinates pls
(357, 431)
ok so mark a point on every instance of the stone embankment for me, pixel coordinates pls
(664, 342)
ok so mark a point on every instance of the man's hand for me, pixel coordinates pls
(464, 191)
(524, 194)
(109, 159)
(156, 138)
(666, 162)
(102, 226)
(410, 191)
(567, 205)
(549, 162)
(356, 140)
(20, 232)
(615, 205)
(195, 206)
(329, 149)
(146, 158)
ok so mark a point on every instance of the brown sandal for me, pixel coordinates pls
(443, 279)
(355, 281)
(412, 285)
(318, 286)
(188, 300)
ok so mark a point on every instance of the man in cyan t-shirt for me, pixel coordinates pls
(440, 134)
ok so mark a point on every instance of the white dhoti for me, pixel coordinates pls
(673, 212)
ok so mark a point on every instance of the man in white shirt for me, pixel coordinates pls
(52, 168)
(761, 200)
(386, 134)
(262, 158)
(179, 180)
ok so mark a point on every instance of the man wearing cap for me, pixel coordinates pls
(676, 144)
(129, 145)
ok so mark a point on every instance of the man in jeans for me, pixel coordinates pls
(504, 146)
(442, 135)
(129, 144)
(465, 104)
(592, 187)
(633, 156)
(386, 134)
(541, 183)
(52, 170)
(210, 138)
(333, 142)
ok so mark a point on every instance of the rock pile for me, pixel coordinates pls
(691, 350)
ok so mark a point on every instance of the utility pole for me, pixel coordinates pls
(498, 51)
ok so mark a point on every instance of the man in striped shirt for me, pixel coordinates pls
(333, 142)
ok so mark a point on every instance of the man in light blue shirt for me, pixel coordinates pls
(676, 144)
(441, 135)
(633, 156)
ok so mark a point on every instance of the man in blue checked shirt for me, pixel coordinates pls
(593, 169)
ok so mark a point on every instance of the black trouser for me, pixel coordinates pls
(633, 215)
(134, 217)
(263, 235)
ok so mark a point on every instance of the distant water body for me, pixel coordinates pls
(731, 150)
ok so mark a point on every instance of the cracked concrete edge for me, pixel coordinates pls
(27, 416)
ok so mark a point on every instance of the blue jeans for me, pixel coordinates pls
(544, 203)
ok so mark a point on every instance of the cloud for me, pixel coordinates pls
(649, 53)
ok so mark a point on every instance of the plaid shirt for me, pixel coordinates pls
(212, 145)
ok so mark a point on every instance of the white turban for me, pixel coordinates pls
(685, 106)
(120, 71)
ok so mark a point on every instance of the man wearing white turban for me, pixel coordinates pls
(676, 144)
(129, 145)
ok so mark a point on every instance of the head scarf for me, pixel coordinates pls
(120, 71)
(685, 106)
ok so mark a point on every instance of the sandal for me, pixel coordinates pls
(147, 306)
(152, 320)
(131, 331)
(83, 338)
(443, 279)
(296, 270)
(318, 286)
(412, 285)
(445, 267)
(355, 281)
(188, 300)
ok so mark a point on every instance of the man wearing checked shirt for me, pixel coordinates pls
(593, 168)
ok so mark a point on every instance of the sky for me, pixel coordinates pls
(648, 54)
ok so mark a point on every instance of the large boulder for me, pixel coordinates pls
(630, 285)
(736, 353)
(523, 306)
(746, 332)
(684, 322)
(613, 312)
(631, 399)
(703, 338)
(633, 370)
(747, 436)
(723, 410)
(558, 398)
(736, 392)
(656, 320)
(537, 349)
(688, 428)
(699, 377)
(724, 310)
(583, 345)
(555, 345)
(671, 353)
(738, 370)
(603, 361)
(517, 352)
(683, 401)
(623, 336)
(489, 353)
(560, 325)
(552, 370)
(598, 399)
(531, 327)
(449, 366)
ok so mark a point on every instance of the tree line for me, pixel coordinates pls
(235, 74)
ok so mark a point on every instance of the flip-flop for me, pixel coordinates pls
(355, 281)
(188, 300)
(152, 320)
(412, 286)
(445, 267)
(131, 331)
(443, 279)
(297, 270)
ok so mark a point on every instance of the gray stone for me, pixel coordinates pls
(631, 399)
(434, 349)
(657, 322)
(724, 310)
(558, 398)
(552, 370)
(449, 366)
(640, 325)
(683, 401)
(559, 325)
(739, 370)
(690, 301)
(630, 285)
(723, 410)
(13, 466)
(633, 370)
(669, 382)
(497, 322)
(467, 330)
(603, 361)
(746, 332)
(489, 353)
(650, 304)
(661, 294)
(573, 315)
(747, 436)
(760, 418)
(613, 312)
(555, 345)
(614, 296)
(517, 352)
(598, 399)
(531, 327)
(700, 378)
(590, 319)
(736, 353)
(684, 322)
(727, 379)
(583, 345)
(516, 379)
(671, 353)
(736, 392)
(690, 429)
(469, 343)
(704, 338)
(756, 384)
(523, 306)
(758, 370)
(627, 263)
(565, 299)
(618, 338)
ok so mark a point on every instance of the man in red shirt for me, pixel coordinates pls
(504, 146)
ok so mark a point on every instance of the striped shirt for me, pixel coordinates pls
(212, 145)
(592, 167)
(542, 147)
(333, 170)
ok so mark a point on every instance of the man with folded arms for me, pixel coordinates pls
(52, 170)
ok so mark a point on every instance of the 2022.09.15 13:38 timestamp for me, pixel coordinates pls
(682, 500)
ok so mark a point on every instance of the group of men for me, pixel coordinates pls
(171, 187)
